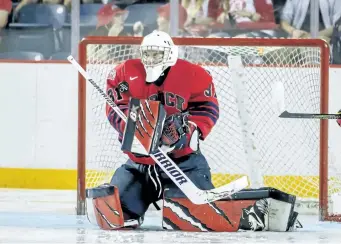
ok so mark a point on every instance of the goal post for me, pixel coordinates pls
(249, 138)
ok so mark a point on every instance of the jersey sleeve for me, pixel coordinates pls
(115, 90)
(203, 106)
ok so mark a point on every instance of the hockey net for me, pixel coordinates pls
(249, 138)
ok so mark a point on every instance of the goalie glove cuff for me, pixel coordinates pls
(193, 136)
(180, 135)
(189, 138)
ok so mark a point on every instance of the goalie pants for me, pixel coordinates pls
(140, 185)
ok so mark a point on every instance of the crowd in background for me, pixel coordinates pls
(42, 27)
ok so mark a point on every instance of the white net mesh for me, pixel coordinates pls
(282, 153)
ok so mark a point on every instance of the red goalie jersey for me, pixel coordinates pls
(187, 87)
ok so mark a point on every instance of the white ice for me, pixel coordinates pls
(47, 216)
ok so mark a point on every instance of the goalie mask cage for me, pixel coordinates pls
(249, 138)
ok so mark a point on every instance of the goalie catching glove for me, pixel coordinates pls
(178, 132)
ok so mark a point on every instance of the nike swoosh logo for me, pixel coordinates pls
(133, 78)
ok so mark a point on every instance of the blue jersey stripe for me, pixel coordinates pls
(204, 103)
(205, 114)
(115, 119)
(205, 109)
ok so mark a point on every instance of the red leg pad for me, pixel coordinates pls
(107, 207)
(250, 209)
(222, 216)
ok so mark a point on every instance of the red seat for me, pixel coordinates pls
(265, 9)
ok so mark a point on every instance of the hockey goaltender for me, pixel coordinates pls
(172, 104)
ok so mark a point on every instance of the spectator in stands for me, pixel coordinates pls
(22, 3)
(111, 22)
(201, 16)
(245, 18)
(240, 18)
(237, 11)
(5, 10)
(335, 43)
(164, 17)
(198, 11)
(295, 19)
(278, 7)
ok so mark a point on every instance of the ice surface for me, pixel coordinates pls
(31, 216)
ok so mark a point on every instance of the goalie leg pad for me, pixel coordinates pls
(124, 201)
(264, 209)
(107, 212)
(107, 208)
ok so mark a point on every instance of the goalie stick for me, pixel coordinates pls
(161, 158)
(289, 115)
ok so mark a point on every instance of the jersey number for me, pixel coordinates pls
(209, 92)
(118, 94)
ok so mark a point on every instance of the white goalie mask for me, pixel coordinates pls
(158, 52)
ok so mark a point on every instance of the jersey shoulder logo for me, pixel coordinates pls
(123, 87)
(133, 78)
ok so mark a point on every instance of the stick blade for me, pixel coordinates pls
(222, 192)
(284, 114)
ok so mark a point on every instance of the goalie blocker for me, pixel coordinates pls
(144, 126)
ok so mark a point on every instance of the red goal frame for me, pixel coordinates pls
(323, 167)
